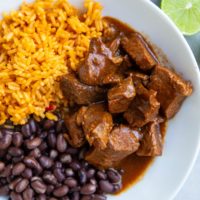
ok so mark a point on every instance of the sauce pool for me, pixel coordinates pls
(134, 169)
(135, 166)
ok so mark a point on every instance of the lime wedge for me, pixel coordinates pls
(184, 13)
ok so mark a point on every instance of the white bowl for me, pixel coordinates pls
(168, 173)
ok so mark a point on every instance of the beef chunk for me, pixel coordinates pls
(171, 90)
(144, 107)
(114, 46)
(110, 32)
(138, 49)
(75, 135)
(80, 115)
(99, 65)
(120, 96)
(112, 79)
(139, 77)
(151, 144)
(123, 141)
(127, 63)
(97, 124)
(80, 93)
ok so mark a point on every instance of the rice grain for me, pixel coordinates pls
(39, 43)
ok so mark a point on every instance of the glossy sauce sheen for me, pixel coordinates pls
(135, 167)
(127, 30)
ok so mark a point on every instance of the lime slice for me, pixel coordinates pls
(184, 13)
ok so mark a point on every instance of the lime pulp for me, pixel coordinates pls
(184, 13)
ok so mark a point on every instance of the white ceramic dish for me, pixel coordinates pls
(168, 173)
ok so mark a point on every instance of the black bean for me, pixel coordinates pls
(8, 157)
(75, 196)
(88, 189)
(114, 176)
(3, 153)
(36, 153)
(101, 175)
(53, 171)
(5, 140)
(50, 189)
(17, 159)
(2, 166)
(69, 172)
(52, 131)
(33, 125)
(46, 162)
(93, 181)
(27, 173)
(36, 178)
(43, 146)
(53, 154)
(99, 197)
(4, 190)
(17, 139)
(33, 143)
(82, 176)
(59, 126)
(61, 191)
(75, 189)
(65, 198)
(18, 169)
(9, 178)
(66, 158)
(61, 143)
(48, 124)
(86, 197)
(117, 187)
(7, 131)
(84, 164)
(71, 182)
(39, 187)
(13, 184)
(52, 140)
(15, 152)
(50, 178)
(3, 181)
(21, 185)
(75, 165)
(59, 174)
(43, 134)
(90, 173)
(57, 164)
(106, 186)
(41, 197)
(39, 130)
(7, 171)
(15, 196)
(72, 151)
(32, 163)
(26, 131)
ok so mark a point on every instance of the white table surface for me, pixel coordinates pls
(191, 188)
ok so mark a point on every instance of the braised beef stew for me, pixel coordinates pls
(121, 77)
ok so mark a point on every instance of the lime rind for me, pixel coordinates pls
(184, 13)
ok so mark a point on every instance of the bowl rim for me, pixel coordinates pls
(196, 67)
(169, 22)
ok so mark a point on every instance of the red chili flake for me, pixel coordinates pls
(51, 108)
